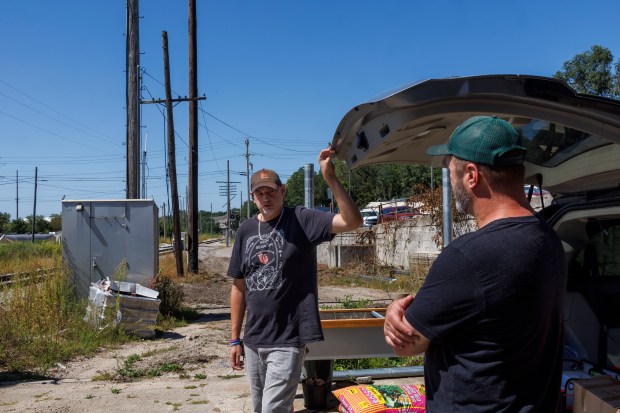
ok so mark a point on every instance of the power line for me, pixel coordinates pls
(50, 132)
(109, 139)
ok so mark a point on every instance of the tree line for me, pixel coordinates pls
(24, 226)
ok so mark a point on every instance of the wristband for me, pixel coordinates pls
(235, 342)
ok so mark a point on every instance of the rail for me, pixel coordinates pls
(10, 278)
(165, 249)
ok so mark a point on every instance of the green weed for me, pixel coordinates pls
(378, 363)
(200, 402)
(42, 323)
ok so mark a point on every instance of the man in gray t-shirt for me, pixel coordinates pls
(273, 265)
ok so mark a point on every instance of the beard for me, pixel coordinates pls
(461, 198)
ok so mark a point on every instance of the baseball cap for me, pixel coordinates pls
(485, 140)
(265, 177)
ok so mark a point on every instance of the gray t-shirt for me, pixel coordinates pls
(279, 265)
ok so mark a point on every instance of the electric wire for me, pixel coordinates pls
(102, 136)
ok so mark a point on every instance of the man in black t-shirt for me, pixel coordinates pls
(489, 317)
(274, 271)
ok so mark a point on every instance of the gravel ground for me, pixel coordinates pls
(206, 384)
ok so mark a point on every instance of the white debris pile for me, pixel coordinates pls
(131, 305)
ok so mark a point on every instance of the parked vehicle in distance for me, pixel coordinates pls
(370, 217)
(388, 214)
(573, 152)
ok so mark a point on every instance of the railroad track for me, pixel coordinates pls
(8, 279)
(168, 248)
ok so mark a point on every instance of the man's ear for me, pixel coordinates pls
(472, 175)
(283, 187)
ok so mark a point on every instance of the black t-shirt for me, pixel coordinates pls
(280, 271)
(492, 306)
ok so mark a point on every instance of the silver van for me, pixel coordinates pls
(573, 152)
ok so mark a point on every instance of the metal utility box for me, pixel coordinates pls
(97, 235)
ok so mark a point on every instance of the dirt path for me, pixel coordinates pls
(205, 383)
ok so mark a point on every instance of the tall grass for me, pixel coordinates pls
(172, 310)
(370, 275)
(41, 321)
(26, 256)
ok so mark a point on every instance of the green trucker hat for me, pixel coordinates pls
(485, 140)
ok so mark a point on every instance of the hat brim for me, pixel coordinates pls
(271, 185)
(438, 150)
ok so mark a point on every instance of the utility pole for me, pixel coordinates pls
(447, 206)
(17, 194)
(146, 137)
(132, 97)
(247, 173)
(192, 224)
(176, 225)
(186, 209)
(309, 185)
(34, 208)
(227, 188)
(163, 206)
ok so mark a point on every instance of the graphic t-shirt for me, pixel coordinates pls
(277, 259)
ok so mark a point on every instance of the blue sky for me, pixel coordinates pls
(279, 73)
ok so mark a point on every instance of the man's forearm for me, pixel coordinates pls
(237, 309)
(346, 207)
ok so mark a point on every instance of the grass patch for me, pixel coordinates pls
(28, 256)
(378, 363)
(175, 406)
(41, 321)
(200, 402)
(172, 312)
(370, 275)
(131, 371)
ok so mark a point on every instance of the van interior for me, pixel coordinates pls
(592, 308)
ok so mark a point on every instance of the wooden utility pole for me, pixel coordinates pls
(192, 223)
(176, 222)
(132, 97)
